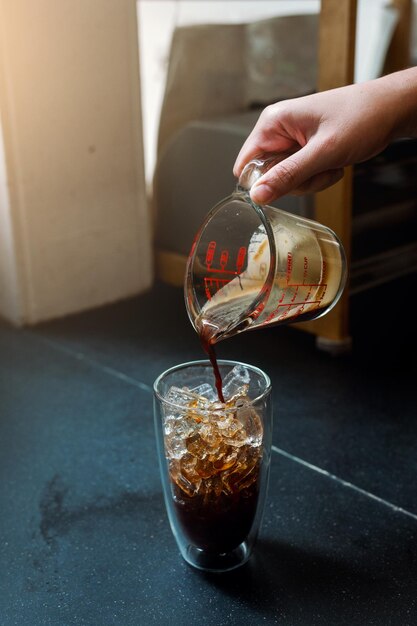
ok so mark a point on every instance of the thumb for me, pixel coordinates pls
(288, 175)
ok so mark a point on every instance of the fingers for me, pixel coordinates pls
(252, 147)
(305, 171)
(319, 182)
(281, 179)
(267, 136)
(262, 194)
(275, 146)
(244, 156)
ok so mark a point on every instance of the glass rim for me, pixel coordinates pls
(206, 362)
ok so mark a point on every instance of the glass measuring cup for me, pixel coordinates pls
(251, 266)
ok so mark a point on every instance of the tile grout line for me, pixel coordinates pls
(144, 387)
(344, 483)
(80, 356)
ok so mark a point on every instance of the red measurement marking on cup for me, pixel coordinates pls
(294, 296)
(211, 248)
(305, 273)
(305, 268)
(292, 304)
(240, 259)
(289, 306)
(289, 266)
(224, 257)
(212, 285)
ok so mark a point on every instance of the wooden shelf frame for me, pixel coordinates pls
(333, 206)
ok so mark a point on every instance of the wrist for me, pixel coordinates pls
(400, 94)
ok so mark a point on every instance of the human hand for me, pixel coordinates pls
(316, 136)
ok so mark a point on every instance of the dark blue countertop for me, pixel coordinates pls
(84, 537)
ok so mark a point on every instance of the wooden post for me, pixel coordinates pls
(399, 51)
(333, 206)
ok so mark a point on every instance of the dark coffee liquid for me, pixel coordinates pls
(207, 338)
(215, 495)
(220, 525)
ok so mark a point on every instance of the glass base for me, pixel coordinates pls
(216, 562)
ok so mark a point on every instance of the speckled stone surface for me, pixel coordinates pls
(84, 538)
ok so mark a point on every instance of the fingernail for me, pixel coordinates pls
(261, 193)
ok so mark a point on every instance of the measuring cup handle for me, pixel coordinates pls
(256, 168)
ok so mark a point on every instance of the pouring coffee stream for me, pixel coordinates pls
(252, 266)
(206, 339)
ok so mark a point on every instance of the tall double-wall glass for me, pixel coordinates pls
(214, 459)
